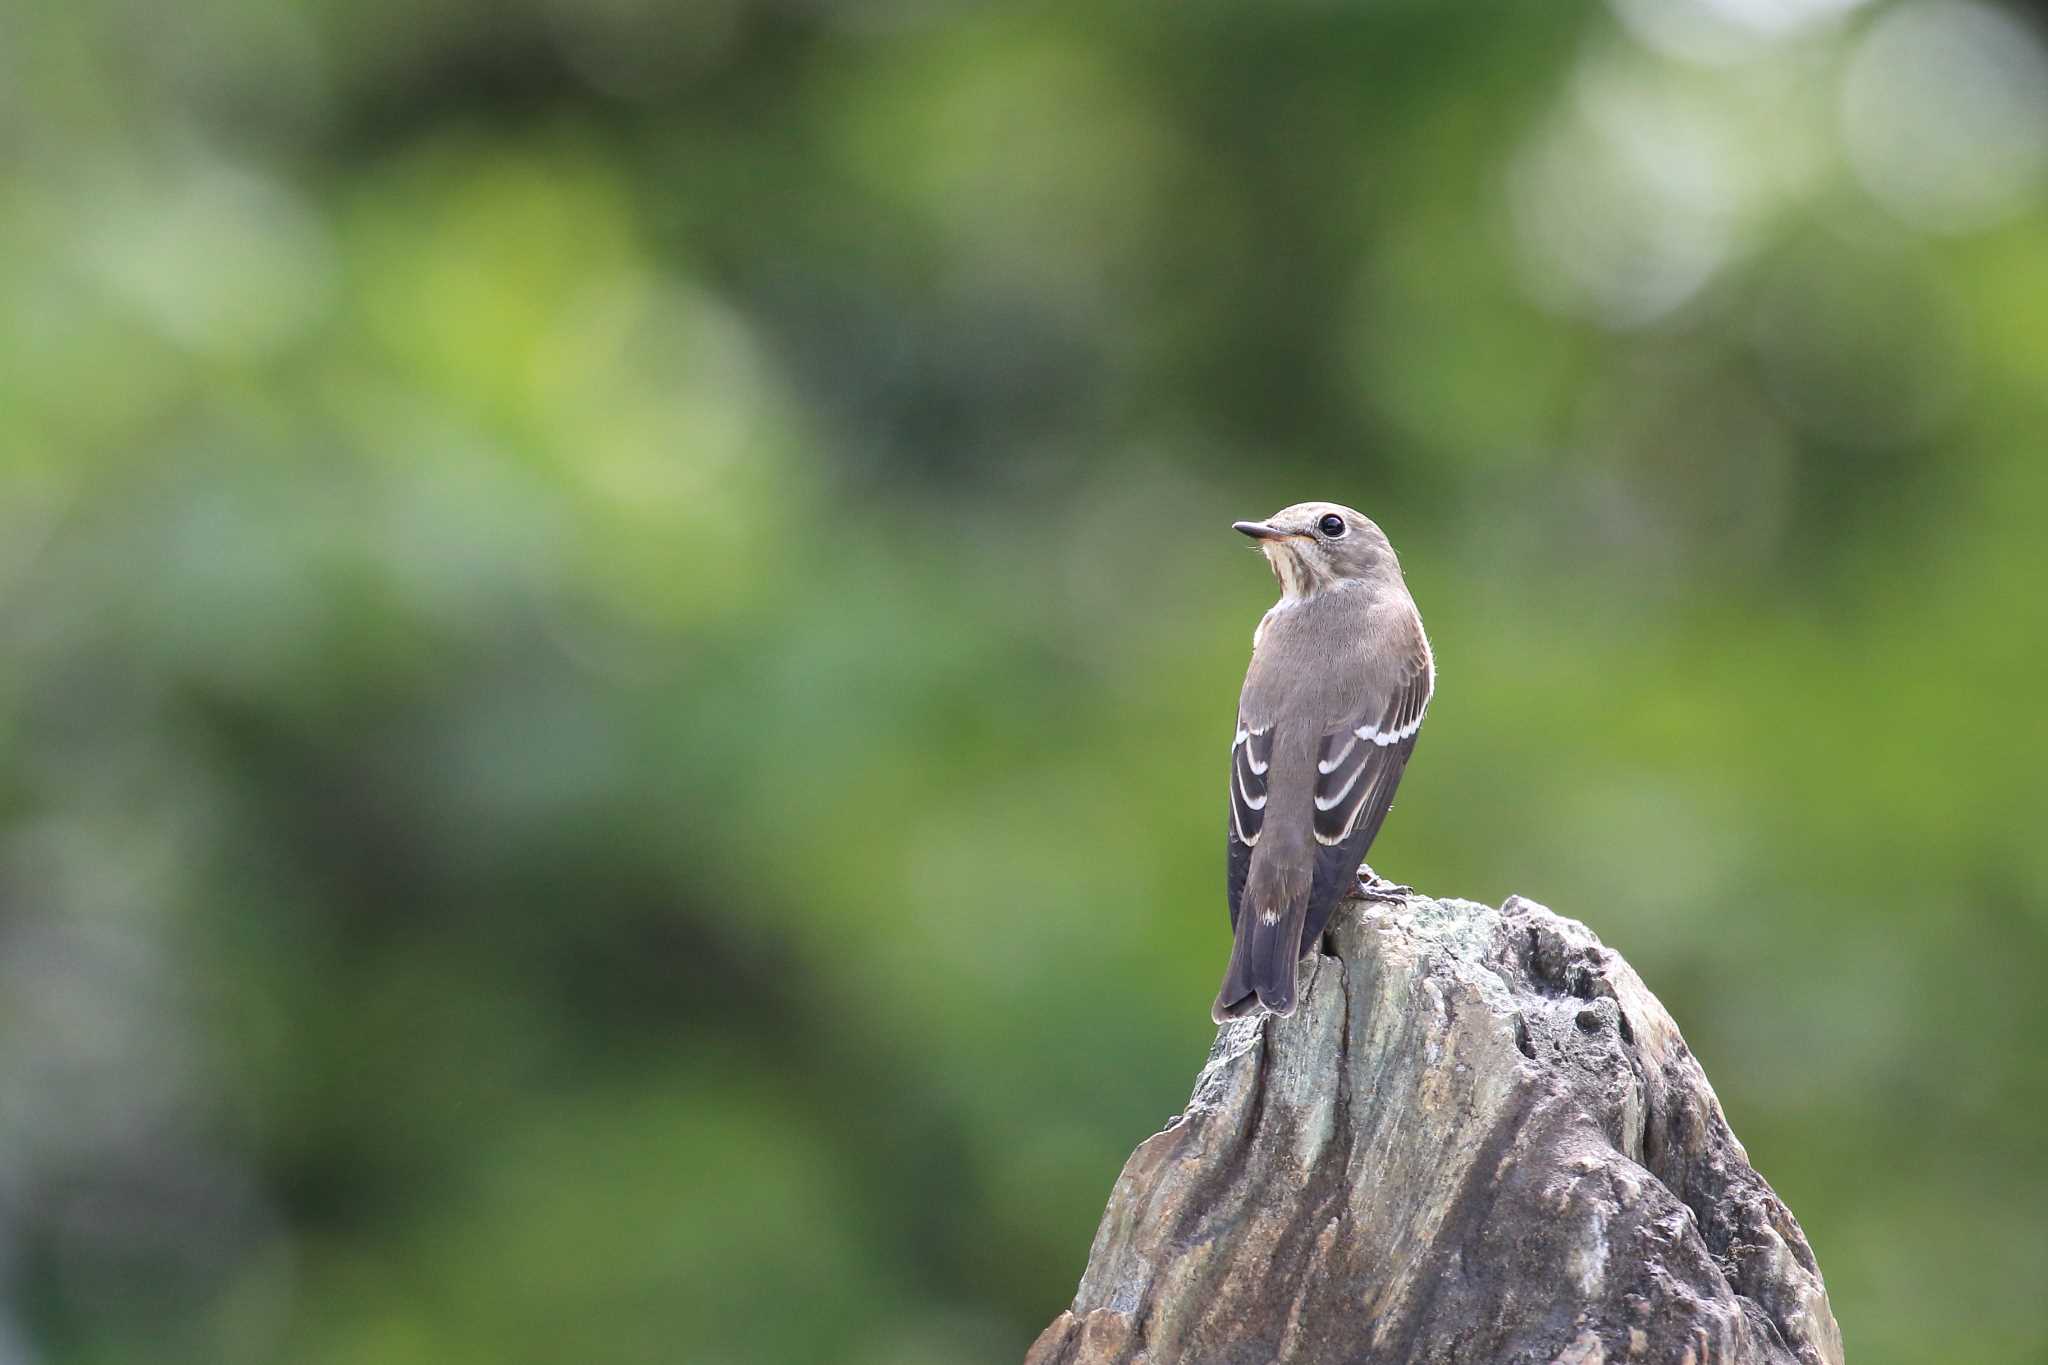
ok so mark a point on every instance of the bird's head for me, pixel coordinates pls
(1316, 546)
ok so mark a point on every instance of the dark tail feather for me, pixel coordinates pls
(1264, 961)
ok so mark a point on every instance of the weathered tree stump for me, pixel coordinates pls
(1480, 1138)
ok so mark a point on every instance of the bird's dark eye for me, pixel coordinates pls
(1331, 525)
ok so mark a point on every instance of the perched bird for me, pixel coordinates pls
(1340, 676)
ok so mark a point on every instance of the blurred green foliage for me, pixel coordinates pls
(617, 635)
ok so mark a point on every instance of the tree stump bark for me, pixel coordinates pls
(1480, 1138)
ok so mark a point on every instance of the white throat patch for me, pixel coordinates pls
(1289, 569)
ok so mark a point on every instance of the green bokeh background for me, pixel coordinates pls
(617, 631)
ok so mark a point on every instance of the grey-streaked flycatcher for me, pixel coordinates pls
(1340, 676)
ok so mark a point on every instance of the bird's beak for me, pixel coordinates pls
(1259, 530)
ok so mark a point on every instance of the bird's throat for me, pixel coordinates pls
(1288, 568)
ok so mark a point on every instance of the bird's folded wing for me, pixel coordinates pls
(1251, 755)
(1359, 765)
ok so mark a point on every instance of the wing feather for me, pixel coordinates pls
(1251, 756)
(1359, 765)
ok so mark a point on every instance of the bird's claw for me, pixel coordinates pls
(1373, 887)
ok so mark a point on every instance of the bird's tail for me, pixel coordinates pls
(1264, 960)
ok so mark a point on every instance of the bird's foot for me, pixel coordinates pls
(1373, 887)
